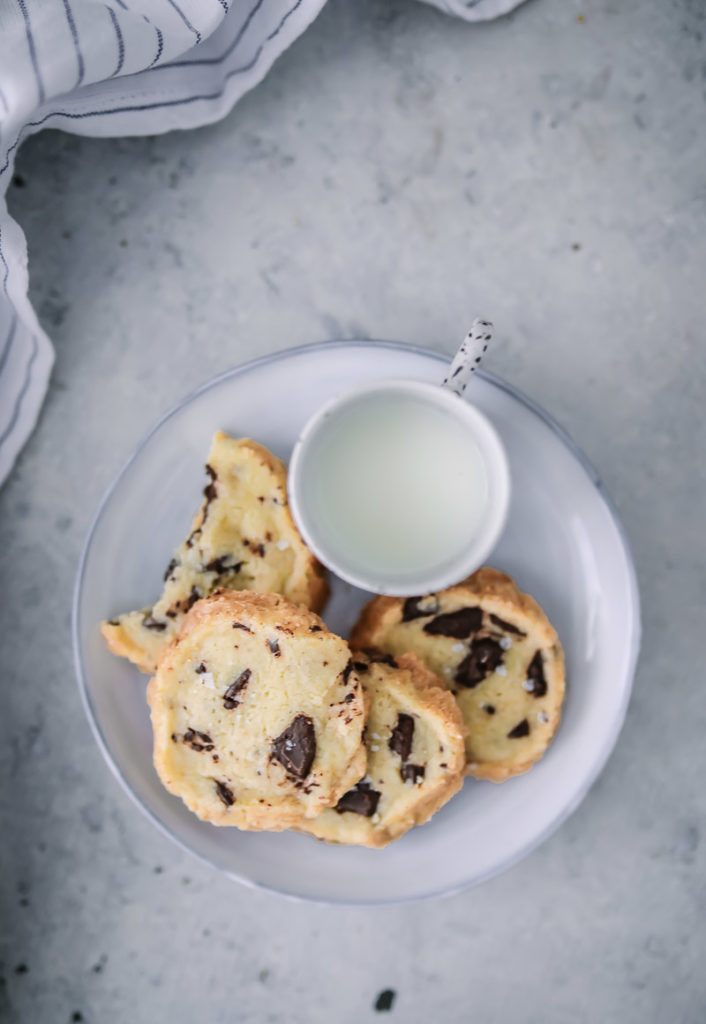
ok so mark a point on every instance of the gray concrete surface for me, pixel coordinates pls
(396, 172)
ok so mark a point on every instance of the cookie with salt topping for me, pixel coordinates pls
(415, 755)
(257, 713)
(497, 653)
(243, 538)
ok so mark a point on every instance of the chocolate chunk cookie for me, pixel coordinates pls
(249, 736)
(243, 538)
(416, 758)
(497, 652)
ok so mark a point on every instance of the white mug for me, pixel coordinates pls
(459, 500)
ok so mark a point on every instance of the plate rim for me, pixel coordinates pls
(607, 747)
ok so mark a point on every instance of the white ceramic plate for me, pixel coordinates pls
(563, 543)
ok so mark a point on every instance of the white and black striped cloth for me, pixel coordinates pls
(120, 67)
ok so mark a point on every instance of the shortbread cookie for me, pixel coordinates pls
(496, 651)
(416, 758)
(257, 713)
(243, 538)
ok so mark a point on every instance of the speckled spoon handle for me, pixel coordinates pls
(467, 359)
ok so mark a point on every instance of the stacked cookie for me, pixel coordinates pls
(264, 719)
(495, 650)
(257, 712)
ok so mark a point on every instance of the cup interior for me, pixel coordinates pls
(348, 515)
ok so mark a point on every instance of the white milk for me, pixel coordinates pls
(394, 484)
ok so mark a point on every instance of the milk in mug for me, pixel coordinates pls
(394, 485)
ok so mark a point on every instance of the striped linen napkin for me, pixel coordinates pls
(121, 67)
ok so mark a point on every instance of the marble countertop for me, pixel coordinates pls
(396, 172)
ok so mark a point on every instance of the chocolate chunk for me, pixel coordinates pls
(241, 625)
(274, 648)
(412, 772)
(204, 737)
(315, 629)
(191, 600)
(401, 738)
(488, 708)
(223, 564)
(295, 748)
(210, 491)
(201, 668)
(259, 549)
(190, 539)
(483, 658)
(151, 623)
(347, 671)
(170, 613)
(225, 793)
(379, 657)
(413, 608)
(386, 659)
(384, 1001)
(362, 799)
(535, 675)
(360, 666)
(521, 729)
(230, 697)
(198, 740)
(459, 624)
(507, 626)
(170, 569)
(348, 698)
